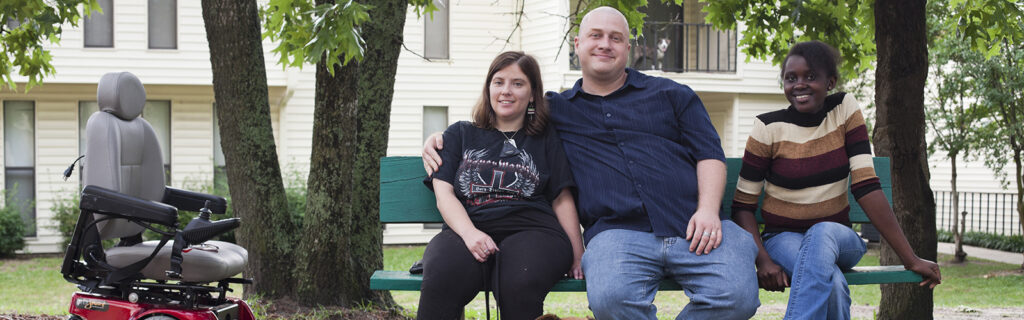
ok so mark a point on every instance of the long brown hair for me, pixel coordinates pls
(483, 113)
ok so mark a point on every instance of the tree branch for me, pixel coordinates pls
(414, 53)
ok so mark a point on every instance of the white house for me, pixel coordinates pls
(439, 78)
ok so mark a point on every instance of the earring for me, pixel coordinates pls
(530, 109)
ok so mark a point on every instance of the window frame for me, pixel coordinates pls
(429, 21)
(108, 13)
(174, 25)
(29, 214)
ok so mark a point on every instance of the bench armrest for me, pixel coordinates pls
(105, 201)
(193, 201)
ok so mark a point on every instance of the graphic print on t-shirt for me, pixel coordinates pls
(482, 181)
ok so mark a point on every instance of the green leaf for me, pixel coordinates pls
(21, 48)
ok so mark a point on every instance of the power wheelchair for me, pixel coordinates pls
(183, 276)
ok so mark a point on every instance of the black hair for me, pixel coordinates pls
(819, 55)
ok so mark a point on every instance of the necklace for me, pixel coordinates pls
(509, 138)
(509, 148)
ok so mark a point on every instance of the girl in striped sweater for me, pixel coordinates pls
(806, 158)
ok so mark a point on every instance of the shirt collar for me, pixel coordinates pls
(633, 79)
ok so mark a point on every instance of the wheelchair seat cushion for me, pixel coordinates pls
(207, 262)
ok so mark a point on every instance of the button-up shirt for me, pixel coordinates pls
(634, 152)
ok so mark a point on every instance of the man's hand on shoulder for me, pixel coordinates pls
(704, 232)
(431, 159)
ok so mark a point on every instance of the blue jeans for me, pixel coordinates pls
(623, 269)
(815, 261)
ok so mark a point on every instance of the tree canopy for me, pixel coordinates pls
(306, 31)
(24, 25)
(771, 27)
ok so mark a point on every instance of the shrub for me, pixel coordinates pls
(12, 228)
(295, 193)
(65, 214)
(66, 210)
(987, 240)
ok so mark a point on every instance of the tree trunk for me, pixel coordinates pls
(254, 174)
(958, 237)
(1020, 187)
(342, 237)
(1011, 113)
(900, 34)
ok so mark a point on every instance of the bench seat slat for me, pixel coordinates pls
(403, 281)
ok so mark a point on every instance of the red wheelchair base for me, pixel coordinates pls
(87, 306)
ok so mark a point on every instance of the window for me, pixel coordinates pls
(157, 113)
(435, 119)
(99, 27)
(220, 173)
(435, 32)
(85, 110)
(19, 160)
(12, 24)
(163, 24)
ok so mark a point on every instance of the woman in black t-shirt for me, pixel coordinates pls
(503, 189)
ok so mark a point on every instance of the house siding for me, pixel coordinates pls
(477, 32)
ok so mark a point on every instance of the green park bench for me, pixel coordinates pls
(404, 199)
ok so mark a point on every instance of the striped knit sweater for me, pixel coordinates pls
(805, 164)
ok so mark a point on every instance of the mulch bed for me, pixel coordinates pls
(24, 317)
(278, 310)
(285, 309)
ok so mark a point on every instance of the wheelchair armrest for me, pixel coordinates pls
(193, 201)
(106, 201)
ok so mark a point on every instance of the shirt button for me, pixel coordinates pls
(608, 115)
(631, 162)
(622, 144)
(638, 185)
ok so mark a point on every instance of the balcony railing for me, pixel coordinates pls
(994, 213)
(681, 47)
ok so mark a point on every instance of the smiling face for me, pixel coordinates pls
(603, 44)
(510, 93)
(805, 88)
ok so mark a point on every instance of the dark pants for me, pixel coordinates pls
(528, 264)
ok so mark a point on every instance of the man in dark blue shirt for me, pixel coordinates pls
(650, 173)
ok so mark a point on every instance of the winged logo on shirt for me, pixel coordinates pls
(482, 181)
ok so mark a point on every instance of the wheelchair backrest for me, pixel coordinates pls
(122, 151)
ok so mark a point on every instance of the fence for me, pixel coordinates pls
(994, 213)
(681, 47)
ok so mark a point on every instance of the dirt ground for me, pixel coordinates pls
(273, 315)
(279, 310)
(963, 313)
(283, 311)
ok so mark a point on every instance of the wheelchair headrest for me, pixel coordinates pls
(121, 94)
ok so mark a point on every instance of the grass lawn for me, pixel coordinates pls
(35, 286)
(977, 284)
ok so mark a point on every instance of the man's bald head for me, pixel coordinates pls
(607, 12)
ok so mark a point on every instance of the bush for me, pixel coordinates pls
(987, 240)
(65, 214)
(66, 210)
(295, 193)
(12, 229)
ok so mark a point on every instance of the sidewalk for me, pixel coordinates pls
(983, 253)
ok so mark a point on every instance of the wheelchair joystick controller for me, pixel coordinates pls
(201, 229)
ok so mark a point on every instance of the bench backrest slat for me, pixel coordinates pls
(404, 198)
